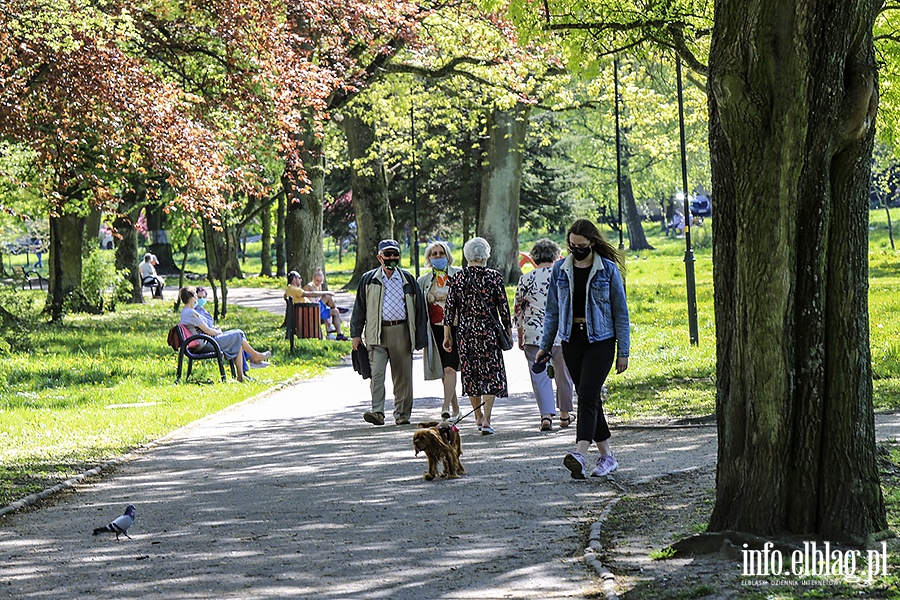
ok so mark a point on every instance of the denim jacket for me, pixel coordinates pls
(606, 311)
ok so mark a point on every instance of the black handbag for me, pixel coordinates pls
(504, 340)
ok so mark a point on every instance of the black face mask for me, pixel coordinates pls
(391, 263)
(580, 253)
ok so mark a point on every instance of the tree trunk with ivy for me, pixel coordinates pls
(305, 199)
(279, 238)
(266, 239)
(793, 97)
(127, 244)
(158, 239)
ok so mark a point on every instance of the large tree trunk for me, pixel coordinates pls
(792, 115)
(374, 219)
(158, 240)
(127, 245)
(501, 183)
(66, 252)
(305, 201)
(637, 239)
(225, 244)
(279, 238)
(266, 250)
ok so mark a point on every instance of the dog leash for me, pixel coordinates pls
(458, 419)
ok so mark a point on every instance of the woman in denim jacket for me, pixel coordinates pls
(586, 306)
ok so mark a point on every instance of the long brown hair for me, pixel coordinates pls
(586, 228)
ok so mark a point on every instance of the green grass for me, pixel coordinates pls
(99, 386)
(667, 552)
(55, 400)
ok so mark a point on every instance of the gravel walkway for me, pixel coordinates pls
(293, 495)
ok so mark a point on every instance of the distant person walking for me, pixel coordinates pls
(528, 309)
(476, 300)
(435, 285)
(586, 306)
(390, 313)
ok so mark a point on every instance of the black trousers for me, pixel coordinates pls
(589, 364)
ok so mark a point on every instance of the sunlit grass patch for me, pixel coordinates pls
(95, 387)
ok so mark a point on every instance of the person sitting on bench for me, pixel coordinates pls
(231, 342)
(313, 292)
(200, 307)
(149, 277)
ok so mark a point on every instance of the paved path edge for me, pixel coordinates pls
(139, 451)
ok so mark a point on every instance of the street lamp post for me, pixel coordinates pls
(683, 195)
(618, 153)
(415, 231)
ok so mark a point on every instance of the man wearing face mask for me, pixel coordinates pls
(390, 314)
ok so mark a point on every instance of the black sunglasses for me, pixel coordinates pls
(391, 254)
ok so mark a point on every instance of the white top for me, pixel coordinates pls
(146, 270)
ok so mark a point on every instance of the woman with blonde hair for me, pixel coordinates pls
(475, 302)
(435, 285)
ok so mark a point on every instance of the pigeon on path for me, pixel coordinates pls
(120, 524)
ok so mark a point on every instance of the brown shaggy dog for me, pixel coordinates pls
(430, 441)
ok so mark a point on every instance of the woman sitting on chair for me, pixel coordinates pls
(313, 292)
(233, 343)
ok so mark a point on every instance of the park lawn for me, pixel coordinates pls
(667, 376)
(102, 385)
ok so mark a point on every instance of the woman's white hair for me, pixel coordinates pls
(477, 249)
(432, 245)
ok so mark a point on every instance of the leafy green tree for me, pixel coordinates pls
(791, 161)
(92, 115)
(792, 114)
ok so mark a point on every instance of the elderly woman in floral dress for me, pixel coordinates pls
(475, 300)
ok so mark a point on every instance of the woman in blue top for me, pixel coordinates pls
(586, 306)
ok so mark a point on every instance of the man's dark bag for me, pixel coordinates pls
(360, 358)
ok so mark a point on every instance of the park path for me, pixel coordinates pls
(292, 495)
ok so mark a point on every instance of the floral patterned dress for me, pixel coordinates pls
(475, 294)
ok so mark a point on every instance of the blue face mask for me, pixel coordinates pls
(439, 263)
(201, 302)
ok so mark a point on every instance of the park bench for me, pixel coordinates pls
(187, 349)
(152, 284)
(302, 320)
(27, 277)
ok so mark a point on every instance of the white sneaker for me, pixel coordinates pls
(259, 365)
(577, 464)
(606, 464)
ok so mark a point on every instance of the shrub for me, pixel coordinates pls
(100, 283)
